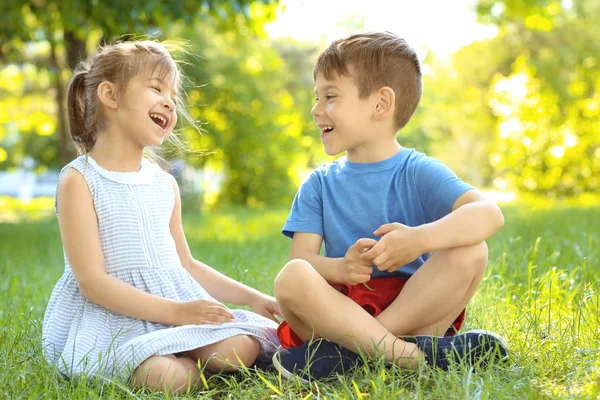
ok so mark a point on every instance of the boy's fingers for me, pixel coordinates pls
(385, 228)
(366, 270)
(361, 278)
(375, 251)
(365, 243)
(381, 262)
(392, 267)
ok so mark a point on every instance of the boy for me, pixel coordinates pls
(386, 214)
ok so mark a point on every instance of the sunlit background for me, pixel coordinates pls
(511, 91)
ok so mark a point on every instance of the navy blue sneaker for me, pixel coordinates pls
(315, 360)
(473, 348)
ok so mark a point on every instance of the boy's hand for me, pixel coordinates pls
(399, 245)
(357, 269)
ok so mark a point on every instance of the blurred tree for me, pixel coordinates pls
(40, 39)
(547, 106)
(255, 101)
(454, 122)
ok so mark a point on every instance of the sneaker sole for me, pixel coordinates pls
(284, 372)
(499, 338)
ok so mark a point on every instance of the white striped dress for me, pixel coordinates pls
(133, 210)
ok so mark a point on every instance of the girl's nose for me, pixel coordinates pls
(169, 104)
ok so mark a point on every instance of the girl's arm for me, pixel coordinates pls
(218, 285)
(81, 239)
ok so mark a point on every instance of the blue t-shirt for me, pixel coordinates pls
(345, 201)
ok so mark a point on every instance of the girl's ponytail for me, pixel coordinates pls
(77, 106)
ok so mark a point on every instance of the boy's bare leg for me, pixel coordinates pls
(436, 294)
(313, 308)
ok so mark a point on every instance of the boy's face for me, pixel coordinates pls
(342, 117)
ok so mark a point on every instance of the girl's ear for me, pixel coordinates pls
(107, 94)
(386, 103)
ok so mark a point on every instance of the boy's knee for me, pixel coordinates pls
(291, 277)
(474, 258)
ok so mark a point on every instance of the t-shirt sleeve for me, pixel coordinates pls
(306, 214)
(438, 188)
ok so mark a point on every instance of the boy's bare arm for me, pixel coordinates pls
(473, 219)
(307, 246)
(350, 269)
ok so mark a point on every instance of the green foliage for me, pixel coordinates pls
(547, 106)
(518, 111)
(253, 95)
(454, 121)
(256, 115)
(43, 39)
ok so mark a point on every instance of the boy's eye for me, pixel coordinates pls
(156, 88)
(329, 96)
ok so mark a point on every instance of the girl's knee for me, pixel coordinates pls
(245, 351)
(165, 374)
(232, 353)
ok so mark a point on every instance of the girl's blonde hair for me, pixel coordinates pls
(116, 63)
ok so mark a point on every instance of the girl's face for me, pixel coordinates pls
(147, 109)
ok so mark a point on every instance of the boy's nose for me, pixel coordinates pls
(316, 110)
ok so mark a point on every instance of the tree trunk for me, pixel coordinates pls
(76, 50)
(65, 151)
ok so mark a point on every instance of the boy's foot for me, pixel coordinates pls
(476, 347)
(318, 359)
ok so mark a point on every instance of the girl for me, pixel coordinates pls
(133, 303)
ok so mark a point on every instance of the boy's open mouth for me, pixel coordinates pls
(326, 129)
(159, 120)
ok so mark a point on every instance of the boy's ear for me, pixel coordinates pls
(386, 103)
(107, 94)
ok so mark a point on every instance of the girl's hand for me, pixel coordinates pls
(266, 306)
(200, 312)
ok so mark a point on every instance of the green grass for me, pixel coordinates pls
(541, 292)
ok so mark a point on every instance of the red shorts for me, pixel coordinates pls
(383, 292)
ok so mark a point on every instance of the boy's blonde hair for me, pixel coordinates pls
(374, 60)
(116, 63)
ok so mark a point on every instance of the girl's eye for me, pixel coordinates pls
(329, 96)
(156, 88)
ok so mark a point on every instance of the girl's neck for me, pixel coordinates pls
(116, 154)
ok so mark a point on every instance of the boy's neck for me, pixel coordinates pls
(113, 153)
(374, 151)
